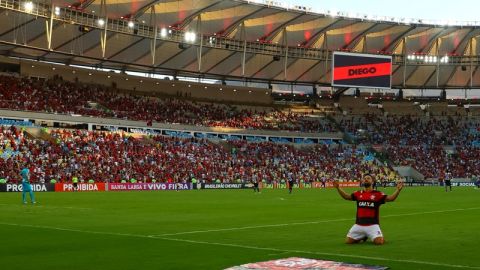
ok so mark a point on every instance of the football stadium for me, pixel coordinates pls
(228, 134)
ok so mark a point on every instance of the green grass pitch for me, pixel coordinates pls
(426, 228)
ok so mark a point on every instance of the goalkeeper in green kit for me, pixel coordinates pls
(26, 186)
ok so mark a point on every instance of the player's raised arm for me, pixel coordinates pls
(394, 195)
(342, 192)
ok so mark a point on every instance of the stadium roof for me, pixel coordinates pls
(234, 39)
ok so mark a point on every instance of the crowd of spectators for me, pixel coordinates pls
(434, 146)
(113, 157)
(57, 96)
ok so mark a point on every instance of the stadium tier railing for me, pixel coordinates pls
(167, 129)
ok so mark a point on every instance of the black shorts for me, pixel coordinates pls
(448, 183)
(255, 185)
(75, 185)
(290, 184)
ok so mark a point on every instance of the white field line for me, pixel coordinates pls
(246, 247)
(308, 222)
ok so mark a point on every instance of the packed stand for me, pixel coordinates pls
(57, 96)
(434, 146)
(106, 156)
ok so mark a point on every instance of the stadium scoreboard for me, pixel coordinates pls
(361, 70)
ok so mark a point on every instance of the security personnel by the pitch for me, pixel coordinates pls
(255, 183)
(75, 183)
(448, 181)
(290, 183)
(194, 183)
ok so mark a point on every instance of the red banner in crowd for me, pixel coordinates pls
(68, 187)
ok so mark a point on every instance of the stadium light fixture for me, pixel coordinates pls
(28, 6)
(190, 36)
(211, 40)
(57, 11)
(131, 24)
(101, 22)
(163, 32)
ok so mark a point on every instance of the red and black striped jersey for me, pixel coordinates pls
(368, 206)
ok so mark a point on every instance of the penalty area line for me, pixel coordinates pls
(269, 249)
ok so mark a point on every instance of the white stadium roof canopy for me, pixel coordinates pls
(244, 40)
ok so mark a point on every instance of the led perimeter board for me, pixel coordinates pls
(361, 70)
